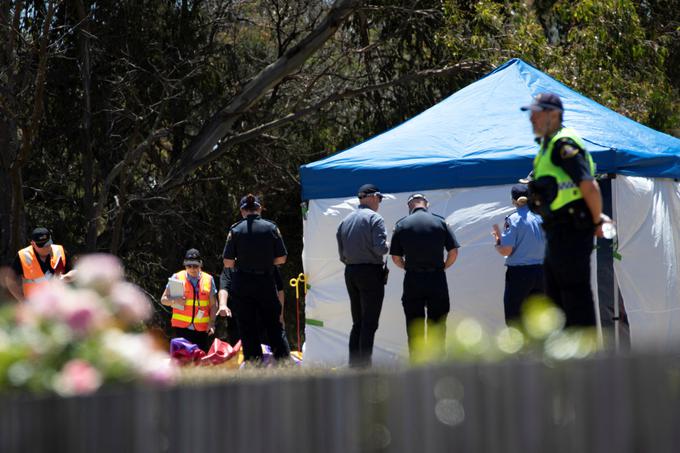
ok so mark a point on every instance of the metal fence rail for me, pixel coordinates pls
(607, 404)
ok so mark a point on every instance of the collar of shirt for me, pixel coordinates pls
(419, 208)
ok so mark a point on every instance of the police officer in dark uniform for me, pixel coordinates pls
(566, 195)
(254, 245)
(418, 245)
(522, 242)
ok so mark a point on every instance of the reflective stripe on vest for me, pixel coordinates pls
(194, 303)
(567, 190)
(33, 275)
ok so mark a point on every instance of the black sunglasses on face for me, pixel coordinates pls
(192, 266)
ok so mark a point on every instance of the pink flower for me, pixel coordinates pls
(84, 311)
(49, 301)
(130, 303)
(98, 271)
(78, 377)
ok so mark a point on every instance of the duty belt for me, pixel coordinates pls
(424, 269)
(253, 271)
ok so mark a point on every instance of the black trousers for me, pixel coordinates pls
(567, 273)
(200, 339)
(426, 303)
(366, 292)
(520, 283)
(254, 296)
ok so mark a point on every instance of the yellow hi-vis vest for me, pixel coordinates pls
(33, 275)
(567, 190)
(197, 306)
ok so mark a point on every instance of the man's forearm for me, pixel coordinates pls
(451, 258)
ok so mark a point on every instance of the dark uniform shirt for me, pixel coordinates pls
(254, 243)
(362, 238)
(420, 238)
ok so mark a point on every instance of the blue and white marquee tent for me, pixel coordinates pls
(464, 153)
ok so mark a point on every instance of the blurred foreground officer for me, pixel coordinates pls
(564, 192)
(38, 263)
(523, 243)
(362, 242)
(418, 245)
(193, 313)
(254, 246)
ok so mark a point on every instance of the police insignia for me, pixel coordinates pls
(567, 151)
(507, 224)
(229, 236)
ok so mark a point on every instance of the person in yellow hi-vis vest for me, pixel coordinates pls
(41, 261)
(193, 313)
(565, 193)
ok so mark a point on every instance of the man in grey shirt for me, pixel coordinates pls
(362, 242)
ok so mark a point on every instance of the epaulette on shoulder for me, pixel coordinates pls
(439, 217)
(398, 221)
(237, 223)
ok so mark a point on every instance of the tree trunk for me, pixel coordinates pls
(85, 66)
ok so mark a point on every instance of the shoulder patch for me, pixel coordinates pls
(568, 151)
(229, 236)
(506, 226)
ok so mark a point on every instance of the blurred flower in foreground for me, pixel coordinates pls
(540, 317)
(72, 339)
(76, 378)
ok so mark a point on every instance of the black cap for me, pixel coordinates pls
(41, 236)
(193, 256)
(250, 201)
(545, 101)
(519, 190)
(368, 189)
(416, 196)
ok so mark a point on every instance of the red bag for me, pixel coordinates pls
(220, 352)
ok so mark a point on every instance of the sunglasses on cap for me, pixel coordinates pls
(374, 194)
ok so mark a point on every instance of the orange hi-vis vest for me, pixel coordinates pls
(196, 306)
(33, 276)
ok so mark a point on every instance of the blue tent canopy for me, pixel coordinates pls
(478, 137)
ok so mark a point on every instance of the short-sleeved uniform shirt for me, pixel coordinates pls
(421, 239)
(524, 233)
(361, 237)
(254, 243)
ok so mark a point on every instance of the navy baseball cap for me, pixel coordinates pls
(250, 201)
(193, 256)
(545, 101)
(417, 196)
(368, 190)
(41, 236)
(519, 190)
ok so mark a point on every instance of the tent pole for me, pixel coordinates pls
(617, 315)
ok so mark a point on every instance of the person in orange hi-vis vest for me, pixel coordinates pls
(193, 313)
(41, 261)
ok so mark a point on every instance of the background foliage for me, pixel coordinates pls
(99, 101)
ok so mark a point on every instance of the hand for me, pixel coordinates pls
(211, 330)
(496, 233)
(224, 311)
(598, 229)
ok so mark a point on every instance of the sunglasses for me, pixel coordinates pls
(375, 194)
(192, 266)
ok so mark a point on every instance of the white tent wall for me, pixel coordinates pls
(476, 280)
(648, 223)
